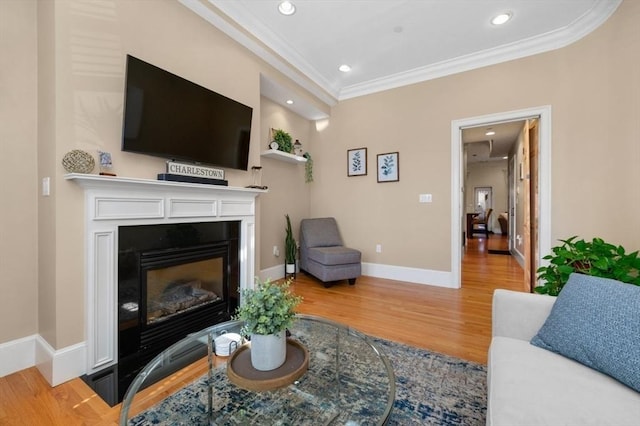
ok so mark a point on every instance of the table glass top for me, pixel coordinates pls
(348, 381)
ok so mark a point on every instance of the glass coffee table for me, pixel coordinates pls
(348, 381)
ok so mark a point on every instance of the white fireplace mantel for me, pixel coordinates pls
(111, 202)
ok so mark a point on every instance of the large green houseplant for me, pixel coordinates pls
(267, 310)
(595, 257)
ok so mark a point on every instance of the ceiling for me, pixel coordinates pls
(392, 43)
(481, 147)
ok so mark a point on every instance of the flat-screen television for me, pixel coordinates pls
(170, 117)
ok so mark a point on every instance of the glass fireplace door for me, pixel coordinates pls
(172, 290)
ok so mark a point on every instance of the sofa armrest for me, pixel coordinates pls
(519, 315)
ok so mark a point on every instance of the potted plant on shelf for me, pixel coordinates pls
(283, 139)
(290, 249)
(596, 257)
(267, 311)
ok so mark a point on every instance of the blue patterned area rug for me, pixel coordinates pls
(431, 389)
(435, 389)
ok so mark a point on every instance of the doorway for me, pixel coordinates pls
(543, 180)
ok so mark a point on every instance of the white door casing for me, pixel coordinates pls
(544, 183)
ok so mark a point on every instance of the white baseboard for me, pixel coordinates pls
(17, 355)
(59, 366)
(273, 273)
(56, 366)
(519, 257)
(391, 272)
(412, 275)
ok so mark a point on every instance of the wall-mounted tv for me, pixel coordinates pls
(170, 117)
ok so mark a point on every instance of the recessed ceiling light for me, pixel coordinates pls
(502, 18)
(490, 133)
(286, 8)
(344, 68)
(289, 102)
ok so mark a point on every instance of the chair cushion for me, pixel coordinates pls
(596, 321)
(328, 273)
(321, 232)
(337, 255)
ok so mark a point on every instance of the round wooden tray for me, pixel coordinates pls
(242, 374)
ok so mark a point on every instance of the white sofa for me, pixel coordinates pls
(528, 385)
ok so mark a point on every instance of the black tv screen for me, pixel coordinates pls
(170, 117)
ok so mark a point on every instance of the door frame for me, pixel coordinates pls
(457, 167)
(512, 215)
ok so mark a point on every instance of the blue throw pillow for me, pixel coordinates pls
(596, 321)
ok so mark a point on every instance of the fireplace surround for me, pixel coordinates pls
(112, 203)
(173, 280)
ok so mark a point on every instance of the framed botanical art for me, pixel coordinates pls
(389, 167)
(357, 162)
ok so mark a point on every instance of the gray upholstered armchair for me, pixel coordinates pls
(323, 255)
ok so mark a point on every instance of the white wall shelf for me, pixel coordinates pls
(283, 156)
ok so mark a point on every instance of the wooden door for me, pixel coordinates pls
(526, 208)
(534, 148)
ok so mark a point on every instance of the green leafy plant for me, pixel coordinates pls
(289, 244)
(283, 139)
(595, 257)
(308, 168)
(268, 308)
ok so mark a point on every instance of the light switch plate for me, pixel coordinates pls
(426, 198)
(46, 187)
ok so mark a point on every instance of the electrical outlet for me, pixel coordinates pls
(276, 251)
(378, 248)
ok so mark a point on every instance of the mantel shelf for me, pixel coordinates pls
(283, 156)
(91, 181)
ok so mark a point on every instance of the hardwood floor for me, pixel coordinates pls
(499, 243)
(454, 322)
(450, 321)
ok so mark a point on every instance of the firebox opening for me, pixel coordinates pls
(180, 288)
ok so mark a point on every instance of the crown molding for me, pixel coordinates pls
(532, 46)
(277, 44)
(292, 65)
(296, 74)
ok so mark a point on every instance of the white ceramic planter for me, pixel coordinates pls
(268, 352)
(290, 268)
